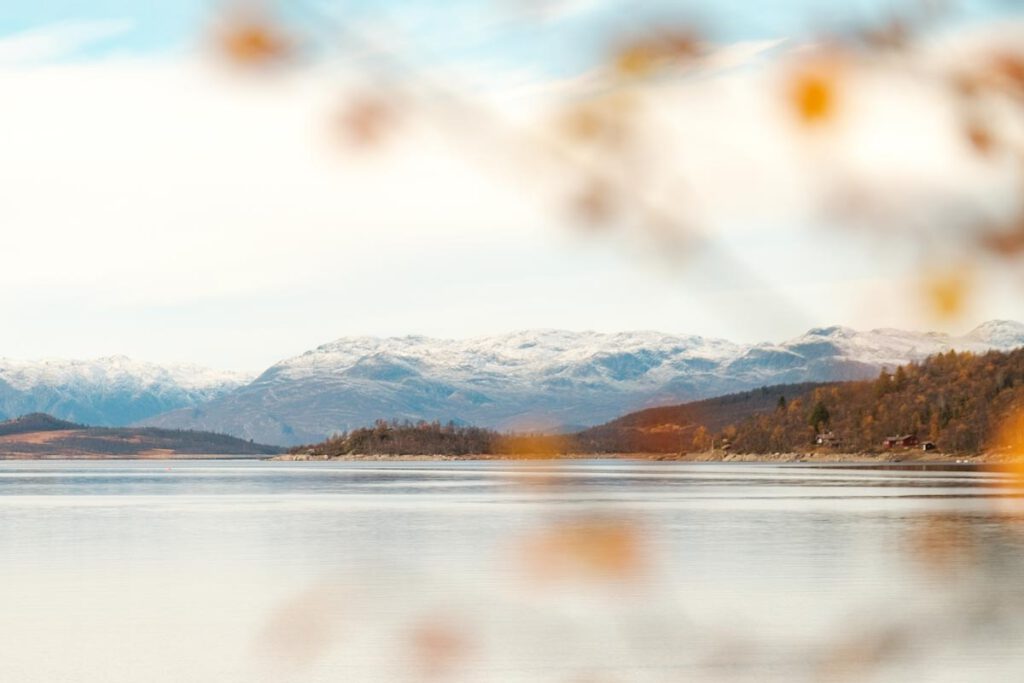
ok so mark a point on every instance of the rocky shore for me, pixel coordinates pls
(824, 457)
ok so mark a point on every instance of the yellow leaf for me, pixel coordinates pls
(813, 95)
(249, 39)
(946, 293)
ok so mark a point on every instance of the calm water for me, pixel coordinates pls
(581, 572)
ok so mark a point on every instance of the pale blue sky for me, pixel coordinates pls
(450, 29)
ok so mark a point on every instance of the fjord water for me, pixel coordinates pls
(383, 571)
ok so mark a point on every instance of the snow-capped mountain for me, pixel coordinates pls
(544, 379)
(107, 391)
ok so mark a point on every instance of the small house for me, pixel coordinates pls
(907, 441)
(828, 439)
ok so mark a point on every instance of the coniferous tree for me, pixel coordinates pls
(819, 416)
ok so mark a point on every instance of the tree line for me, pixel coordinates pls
(406, 438)
(956, 400)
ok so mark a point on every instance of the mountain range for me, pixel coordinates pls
(112, 391)
(543, 380)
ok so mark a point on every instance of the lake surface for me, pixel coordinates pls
(582, 572)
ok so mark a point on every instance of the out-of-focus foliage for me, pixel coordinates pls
(605, 143)
(249, 36)
(305, 627)
(1009, 437)
(594, 548)
(437, 646)
(948, 291)
(814, 93)
(367, 121)
(660, 49)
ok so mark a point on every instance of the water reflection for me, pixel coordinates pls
(574, 571)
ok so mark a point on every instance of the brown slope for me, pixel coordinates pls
(41, 436)
(671, 429)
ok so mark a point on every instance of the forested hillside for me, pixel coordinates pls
(956, 400)
(685, 427)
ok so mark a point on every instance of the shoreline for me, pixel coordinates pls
(823, 458)
(894, 458)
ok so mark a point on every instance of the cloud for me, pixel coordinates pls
(552, 11)
(152, 168)
(168, 207)
(58, 41)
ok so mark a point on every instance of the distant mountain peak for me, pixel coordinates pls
(109, 391)
(1002, 333)
(831, 331)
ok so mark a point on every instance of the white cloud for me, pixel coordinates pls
(559, 10)
(169, 210)
(57, 41)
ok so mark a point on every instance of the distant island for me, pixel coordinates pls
(42, 436)
(952, 406)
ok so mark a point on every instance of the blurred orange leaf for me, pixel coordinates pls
(1009, 69)
(594, 548)
(946, 292)
(595, 204)
(1010, 436)
(304, 627)
(367, 120)
(532, 446)
(891, 35)
(437, 647)
(1006, 242)
(980, 137)
(814, 97)
(605, 120)
(250, 39)
(942, 542)
(635, 60)
(813, 90)
(654, 52)
(587, 124)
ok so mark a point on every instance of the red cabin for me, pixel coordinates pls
(908, 441)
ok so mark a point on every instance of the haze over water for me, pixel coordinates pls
(374, 571)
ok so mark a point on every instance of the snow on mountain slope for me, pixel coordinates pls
(107, 391)
(543, 379)
(1001, 334)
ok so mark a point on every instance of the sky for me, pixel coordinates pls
(158, 204)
